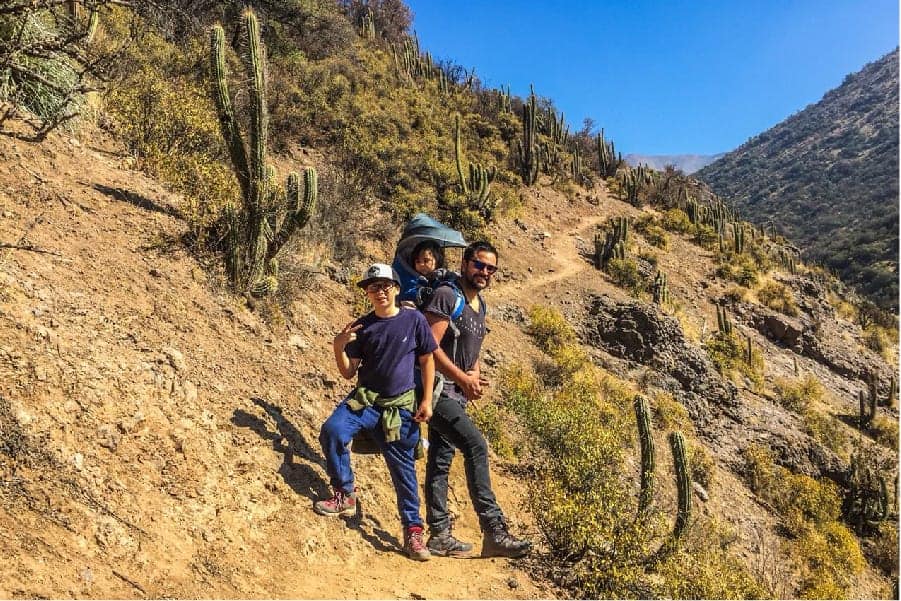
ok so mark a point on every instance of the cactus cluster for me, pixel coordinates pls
(661, 293)
(866, 502)
(268, 214)
(607, 157)
(613, 246)
(477, 186)
(724, 324)
(648, 465)
(527, 148)
(367, 25)
(504, 104)
(633, 181)
(411, 64)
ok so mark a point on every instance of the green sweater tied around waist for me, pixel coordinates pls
(391, 420)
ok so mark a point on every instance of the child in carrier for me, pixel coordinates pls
(427, 260)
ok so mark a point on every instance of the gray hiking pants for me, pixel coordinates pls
(449, 429)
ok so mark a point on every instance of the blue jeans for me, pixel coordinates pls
(340, 428)
(449, 429)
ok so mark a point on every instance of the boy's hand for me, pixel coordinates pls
(347, 335)
(424, 413)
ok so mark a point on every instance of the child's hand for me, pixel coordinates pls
(424, 413)
(347, 335)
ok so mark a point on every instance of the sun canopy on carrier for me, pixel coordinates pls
(421, 227)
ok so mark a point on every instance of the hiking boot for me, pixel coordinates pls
(413, 544)
(343, 503)
(498, 542)
(446, 545)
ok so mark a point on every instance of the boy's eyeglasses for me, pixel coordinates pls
(379, 286)
(482, 266)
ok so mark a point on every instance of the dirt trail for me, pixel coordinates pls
(165, 436)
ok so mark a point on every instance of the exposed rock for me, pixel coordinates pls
(108, 437)
(640, 332)
(176, 359)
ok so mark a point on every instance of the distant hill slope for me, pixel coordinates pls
(828, 176)
(687, 163)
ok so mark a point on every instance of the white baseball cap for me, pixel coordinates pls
(378, 271)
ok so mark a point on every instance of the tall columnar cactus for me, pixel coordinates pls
(528, 146)
(576, 166)
(268, 215)
(738, 238)
(661, 294)
(892, 392)
(607, 161)
(748, 354)
(867, 408)
(477, 187)
(683, 482)
(723, 323)
(643, 419)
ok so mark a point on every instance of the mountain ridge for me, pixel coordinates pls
(827, 177)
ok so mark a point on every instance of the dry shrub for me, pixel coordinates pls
(669, 414)
(581, 499)
(799, 395)
(778, 297)
(885, 431)
(826, 430)
(703, 568)
(702, 464)
(492, 421)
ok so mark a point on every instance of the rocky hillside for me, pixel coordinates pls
(827, 177)
(158, 427)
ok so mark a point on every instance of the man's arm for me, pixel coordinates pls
(468, 383)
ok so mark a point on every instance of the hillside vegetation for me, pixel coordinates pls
(679, 407)
(827, 178)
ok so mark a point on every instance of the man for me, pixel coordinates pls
(450, 427)
(381, 348)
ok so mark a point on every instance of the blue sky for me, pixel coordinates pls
(677, 77)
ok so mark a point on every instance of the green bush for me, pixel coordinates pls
(656, 236)
(676, 220)
(624, 273)
(741, 269)
(705, 236)
(549, 329)
(582, 500)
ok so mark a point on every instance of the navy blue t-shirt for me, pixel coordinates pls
(389, 348)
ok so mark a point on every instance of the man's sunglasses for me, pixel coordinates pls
(379, 286)
(482, 266)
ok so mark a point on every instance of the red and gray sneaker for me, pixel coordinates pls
(414, 545)
(446, 544)
(343, 503)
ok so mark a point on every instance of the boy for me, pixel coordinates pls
(381, 349)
